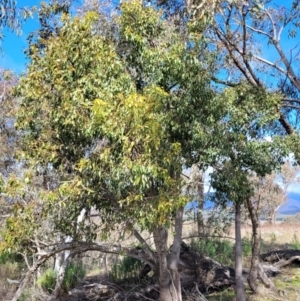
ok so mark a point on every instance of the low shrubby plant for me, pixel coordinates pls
(74, 274)
(127, 268)
(219, 249)
(293, 219)
(47, 280)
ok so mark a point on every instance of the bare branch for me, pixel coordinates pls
(291, 99)
(270, 64)
(147, 249)
(290, 72)
(291, 106)
(259, 31)
(273, 24)
(289, 129)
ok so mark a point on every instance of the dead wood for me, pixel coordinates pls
(283, 256)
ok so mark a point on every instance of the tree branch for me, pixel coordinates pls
(273, 24)
(291, 106)
(270, 64)
(224, 82)
(289, 129)
(259, 31)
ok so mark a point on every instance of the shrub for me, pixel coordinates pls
(7, 256)
(47, 280)
(247, 246)
(293, 219)
(219, 249)
(73, 276)
(128, 268)
(75, 272)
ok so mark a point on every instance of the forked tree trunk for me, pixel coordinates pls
(256, 270)
(239, 284)
(256, 242)
(60, 277)
(168, 274)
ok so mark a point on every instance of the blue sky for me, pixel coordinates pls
(13, 56)
(13, 46)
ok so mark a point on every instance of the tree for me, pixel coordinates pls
(109, 120)
(250, 112)
(238, 31)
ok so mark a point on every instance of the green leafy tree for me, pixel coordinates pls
(117, 121)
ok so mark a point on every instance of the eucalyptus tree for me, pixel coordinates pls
(250, 113)
(257, 43)
(8, 134)
(118, 119)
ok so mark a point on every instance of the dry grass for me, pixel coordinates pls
(11, 271)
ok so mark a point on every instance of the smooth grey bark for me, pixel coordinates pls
(167, 270)
(239, 283)
(175, 254)
(200, 219)
(164, 277)
(256, 269)
(256, 242)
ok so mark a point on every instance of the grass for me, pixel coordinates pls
(10, 267)
(226, 295)
(280, 236)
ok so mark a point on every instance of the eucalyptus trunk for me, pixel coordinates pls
(200, 219)
(167, 270)
(239, 283)
(256, 242)
(60, 278)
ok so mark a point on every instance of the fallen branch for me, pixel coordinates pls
(278, 255)
(282, 263)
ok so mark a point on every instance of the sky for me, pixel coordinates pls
(13, 46)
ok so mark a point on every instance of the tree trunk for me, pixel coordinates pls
(164, 277)
(256, 241)
(175, 255)
(239, 283)
(200, 192)
(60, 278)
(168, 274)
(200, 219)
(273, 218)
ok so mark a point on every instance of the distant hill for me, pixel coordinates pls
(292, 205)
